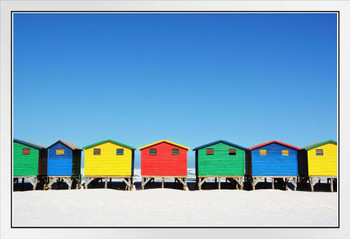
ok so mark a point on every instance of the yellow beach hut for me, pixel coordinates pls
(320, 161)
(109, 159)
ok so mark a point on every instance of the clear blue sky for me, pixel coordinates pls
(188, 78)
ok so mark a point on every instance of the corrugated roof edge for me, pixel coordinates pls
(311, 146)
(68, 144)
(274, 141)
(37, 146)
(108, 140)
(220, 141)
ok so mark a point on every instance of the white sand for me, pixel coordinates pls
(153, 207)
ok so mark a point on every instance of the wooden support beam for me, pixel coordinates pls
(128, 183)
(332, 190)
(53, 180)
(145, 182)
(184, 183)
(162, 182)
(313, 181)
(87, 182)
(68, 181)
(254, 182)
(239, 182)
(273, 183)
(106, 181)
(201, 181)
(295, 183)
(219, 182)
(77, 183)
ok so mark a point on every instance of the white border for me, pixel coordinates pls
(5, 126)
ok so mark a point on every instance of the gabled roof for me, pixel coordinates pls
(108, 140)
(166, 141)
(37, 146)
(274, 141)
(68, 144)
(219, 141)
(311, 146)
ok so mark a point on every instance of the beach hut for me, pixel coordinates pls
(29, 161)
(318, 161)
(109, 159)
(220, 159)
(63, 163)
(273, 160)
(164, 159)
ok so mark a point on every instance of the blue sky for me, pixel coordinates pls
(188, 78)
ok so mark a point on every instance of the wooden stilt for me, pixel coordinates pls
(162, 182)
(106, 181)
(77, 184)
(332, 190)
(254, 182)
(312, 183)
(219, 182)
(273, 183)
(22, 184)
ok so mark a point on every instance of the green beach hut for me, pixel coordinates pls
(220, 159)
(29, 161)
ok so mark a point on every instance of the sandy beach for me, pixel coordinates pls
(172, 207)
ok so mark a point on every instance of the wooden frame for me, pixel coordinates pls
(313, 180)
(180, 179)
(128, 180)
(69, 180)
(237, 181)
(287, 179)
(32, 179)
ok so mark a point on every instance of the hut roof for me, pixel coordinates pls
(37, 146)
(311, 146)
(108, 140)
(220, 141)
(68, 144)
(274, 141)
(166, 141)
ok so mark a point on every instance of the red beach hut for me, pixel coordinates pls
(164, 159)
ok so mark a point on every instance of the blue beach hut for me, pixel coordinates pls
(63, 162)
(275, 160)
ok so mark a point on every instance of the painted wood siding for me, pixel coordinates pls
(221, 163)
(43, 162)
(59, 165)
(274, 164)
(25, 165)
(325, 165)
(108, 163)
(164, 163)
(76, 163)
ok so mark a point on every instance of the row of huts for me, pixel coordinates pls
(274, 160)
